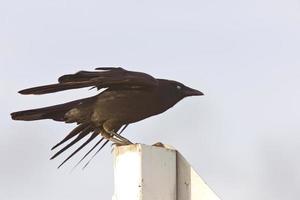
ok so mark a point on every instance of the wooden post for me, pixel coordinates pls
(155, 173)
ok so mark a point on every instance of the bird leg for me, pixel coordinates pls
(123, 140)
(111, 137)
(109, 126)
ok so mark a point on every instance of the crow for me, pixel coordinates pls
(126, 97)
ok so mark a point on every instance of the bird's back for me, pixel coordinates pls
(127, 105)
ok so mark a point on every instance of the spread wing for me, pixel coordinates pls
(104, 77)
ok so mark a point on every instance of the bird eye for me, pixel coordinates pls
(178, 87)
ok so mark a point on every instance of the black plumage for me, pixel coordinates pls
(128, 97)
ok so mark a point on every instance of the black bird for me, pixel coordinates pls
(127, 97)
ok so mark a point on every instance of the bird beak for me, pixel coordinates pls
(192, 92)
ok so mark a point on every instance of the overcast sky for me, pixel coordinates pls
(242, 137)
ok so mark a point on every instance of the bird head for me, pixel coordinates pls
(179, 88)
(175, 91)
(187, 91)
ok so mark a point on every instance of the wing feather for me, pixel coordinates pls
(102, 78)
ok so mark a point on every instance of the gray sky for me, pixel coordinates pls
(242, 137)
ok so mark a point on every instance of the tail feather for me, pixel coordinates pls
(56, 112)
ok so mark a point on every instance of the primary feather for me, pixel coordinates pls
(106, 78)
